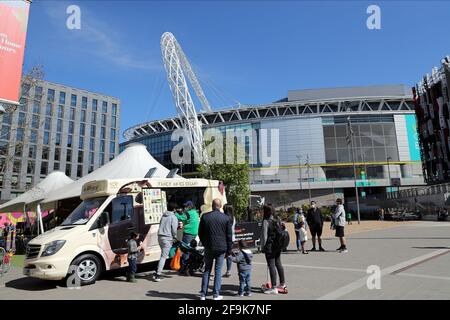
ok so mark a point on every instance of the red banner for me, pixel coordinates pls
(13, 32)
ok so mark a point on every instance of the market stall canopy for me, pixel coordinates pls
(53, 182)
(133, 162)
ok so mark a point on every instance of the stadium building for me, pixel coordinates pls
(314, 142)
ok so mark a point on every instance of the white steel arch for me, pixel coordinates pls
(176, 64)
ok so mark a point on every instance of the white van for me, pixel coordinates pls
(93, 237)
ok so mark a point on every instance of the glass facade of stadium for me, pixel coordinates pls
(314, 153)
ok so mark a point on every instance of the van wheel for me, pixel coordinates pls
(87, 268)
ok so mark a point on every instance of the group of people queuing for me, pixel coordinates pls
(215, 231)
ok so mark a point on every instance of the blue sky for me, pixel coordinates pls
(247, 51)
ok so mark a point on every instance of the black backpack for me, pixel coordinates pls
(278, 236)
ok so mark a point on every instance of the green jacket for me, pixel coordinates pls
(190, 224)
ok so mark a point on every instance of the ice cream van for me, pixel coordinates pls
(92, 239)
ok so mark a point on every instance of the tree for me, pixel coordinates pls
(235, 177)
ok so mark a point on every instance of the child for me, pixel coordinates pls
(303, 237)
(244, 263)
(349, 218)
(133, 250)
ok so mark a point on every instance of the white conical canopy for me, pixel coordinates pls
(53, 182)
(133, 162)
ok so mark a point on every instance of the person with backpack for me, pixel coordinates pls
(190, 219)
(315, 221)
(338, 223)
(271, 244)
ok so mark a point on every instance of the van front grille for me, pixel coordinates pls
(33, 251)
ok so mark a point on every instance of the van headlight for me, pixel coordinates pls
(52, 247)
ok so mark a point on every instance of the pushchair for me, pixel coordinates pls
(196, 259)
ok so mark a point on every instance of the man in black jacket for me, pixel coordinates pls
(216, 236)
(315, 222)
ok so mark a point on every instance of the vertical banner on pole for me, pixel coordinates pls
(13, 31)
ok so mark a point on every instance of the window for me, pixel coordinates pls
(73, 100)
(51, 95)
(60, 112)
(81, 143)
(25, 89)
(69, 156)
(94, 104)
(83, 116)
(32, 152)
(102, 145)
(113, 134)
(19, 134)
(69, 141)
(18, 150)
(3, 151)
(103, 133)
(103, 119)
(105, 107)
(114, 109)
(56, 166)
(48, 110)
(84, 102)
(68, 170)
(36, 107)
(62, 98)
(79, 171)
(16, 166)
(91, 158)
(5, 132)
(14, 183)
(94, 117)
(113, 122)
(30, 167)
(58, 139)
(122, 209)
(38, 92)
(92, 131)
(82, 129)
(57, 154)
(102, 159)
(33, 136)
(112, 147)
(46, 137)
(44, 167)
(80, 156)
(45, 153)
(59, 125)
(92, 144)
(35, 121)
(72, 113)
(23, 105)
(22, 118)
(48, 122)
(71, 126)
(7, 118)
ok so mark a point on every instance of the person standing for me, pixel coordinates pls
(339, 224)
(272, 249)
(228, 210)
(216, 236)
(315, 221)
(296, 222)
(190, 219)
(167, 233)
(244, 262)
(133, 250)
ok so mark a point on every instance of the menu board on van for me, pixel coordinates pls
(154, 205)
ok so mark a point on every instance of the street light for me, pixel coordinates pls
(389, 173)
(350, 142)
(299, 157)
(309, 181)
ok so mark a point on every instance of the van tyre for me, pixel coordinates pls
(87, 269)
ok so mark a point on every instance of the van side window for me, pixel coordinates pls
(122, 209)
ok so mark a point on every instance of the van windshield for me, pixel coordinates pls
(84, 212)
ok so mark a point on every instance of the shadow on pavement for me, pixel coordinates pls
(31, 284)
(434, 248)
(172, 295)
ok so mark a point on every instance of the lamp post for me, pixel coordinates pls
(388, 159)
(350, 142)
(299, 157)
(309, 181)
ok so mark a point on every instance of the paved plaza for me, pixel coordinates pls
(413, 258)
